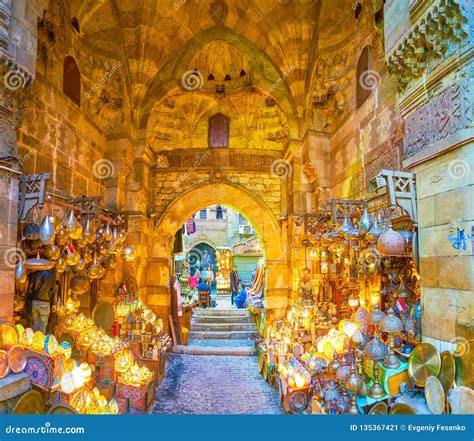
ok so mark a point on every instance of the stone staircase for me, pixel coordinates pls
(220, 332)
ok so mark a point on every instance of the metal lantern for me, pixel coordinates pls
(366, 221)
(374, 233)
(375, 350)
(128, 253)
(72, 226)
(376, 315)
(353, 384)
(46, 231)
(20, 272)
(391, 324)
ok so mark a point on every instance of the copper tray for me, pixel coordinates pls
(423, 362)
(103, 315)
(434, 395)
(17, 359)
(448, 370)
(402, 409)
(380, 408)
(464, 359)
(4, 368)
(62, 409)
(30, 403)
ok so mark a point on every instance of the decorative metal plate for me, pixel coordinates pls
(103, 315)
(62, 409)
(461, 400)
(379, 408)
(434, 394)
(8, 335)
(423, 362)
(30, 403)
(17, 359)
(448, 370)
(265, 370)
(261, 359)
(298, 401)
(463, 356)
(4, 367)
(401, 409)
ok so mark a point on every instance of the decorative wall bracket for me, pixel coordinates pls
(32, 193)
(90, 206)
(400, 188)
(343, 207)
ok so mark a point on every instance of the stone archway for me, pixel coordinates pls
(268, 229)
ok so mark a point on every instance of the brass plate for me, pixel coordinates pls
(265, 370)
(17, 359)
(423, 362)
(464, 360)
(401, 409)
(461, 400)
(261, 358)
(62, 409)
(380, 408)
(448, 370)
(103, 315)
(30, 403)
(4, 367)
(8, 335)
(434, 394)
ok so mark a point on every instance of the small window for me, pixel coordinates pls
(227, 77)
(363, 88)
(203, 214)
(75, 24)
(357, 10)
(243, 73)
(219, 212)
(219, 131)
(210, 77)
(72, 80)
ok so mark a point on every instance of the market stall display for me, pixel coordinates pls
(224, 265)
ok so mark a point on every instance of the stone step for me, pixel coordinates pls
(222, 334)
(233, 326)
(206, 312)
(213, 350)
(222, 319)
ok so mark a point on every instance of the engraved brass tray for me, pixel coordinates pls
(380, 408)
(464, 358)
(402, 409)
(434, 395)
(423, 362)
(448, 370)
(17, 359)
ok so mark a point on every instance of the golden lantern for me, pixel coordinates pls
(80, 322)
(72, 256)
(28, 336)
(78, 401)
(86, 371)
(128, 254)
(69, 321)
(61, 265)
(124, 359)
(52, 252)
(72, 227)
(113, 408)
(51, 345)
(38, 341)
(66, 349)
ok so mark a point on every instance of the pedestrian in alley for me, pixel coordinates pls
(241, 298)
(234, 283)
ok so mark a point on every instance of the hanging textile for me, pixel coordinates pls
(191, 225)
(178, 242)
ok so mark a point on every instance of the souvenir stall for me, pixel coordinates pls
(224, 266)
(92, 351)
(351, 343)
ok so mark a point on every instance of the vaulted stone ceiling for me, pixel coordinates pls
(156, 42)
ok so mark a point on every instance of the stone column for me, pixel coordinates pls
(433, 66)
(18, 23)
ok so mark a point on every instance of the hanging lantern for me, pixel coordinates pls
(66, 349)
(72, 256)
(38, 264)
(77, 377)
(71, 225)
(61, 265)
(52, 252)
(391, 243)
(86, 371)
(128, 254)
(51, 345)
(80, 264)
(67, 383)
(88, 234)
(87, 255)
(20, 272)
(46, 232)
(108, 232)
(55, 222)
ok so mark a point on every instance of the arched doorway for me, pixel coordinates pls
(200, 256)
(268, 229)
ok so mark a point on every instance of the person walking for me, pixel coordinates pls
(234, 283)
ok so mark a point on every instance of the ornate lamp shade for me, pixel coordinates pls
(376, 316)
(391, 323)
(375, 349)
